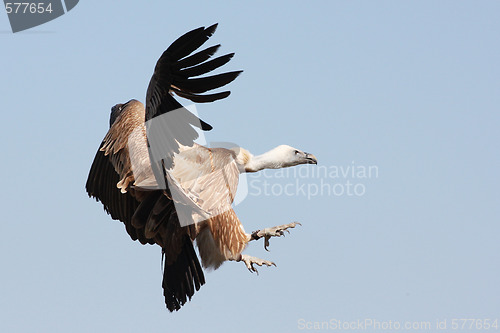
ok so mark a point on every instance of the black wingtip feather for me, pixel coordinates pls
(176, 67)
(211, 29)
(191, 41)
(196, 58)
(206, 67)
(202, 98)
(204, 84)
(184, 39)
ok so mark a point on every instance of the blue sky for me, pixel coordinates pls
(411, 88)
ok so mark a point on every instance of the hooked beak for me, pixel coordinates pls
(311, 159)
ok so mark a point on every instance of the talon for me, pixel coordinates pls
(277, 231)
(250, 261)
(266, 242)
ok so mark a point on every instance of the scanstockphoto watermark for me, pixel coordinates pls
(335, 324)
(371, 324)
(350, 180)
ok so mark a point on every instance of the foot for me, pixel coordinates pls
(250, 261)
(277, 231)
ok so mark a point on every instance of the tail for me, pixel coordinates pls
(182, 277)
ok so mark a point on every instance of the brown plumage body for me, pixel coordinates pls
(202, 182)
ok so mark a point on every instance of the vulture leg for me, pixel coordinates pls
(251, 261)
(277, 231)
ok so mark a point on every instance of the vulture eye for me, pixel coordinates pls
(297, 152)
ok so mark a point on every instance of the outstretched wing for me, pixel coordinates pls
(126, 175)
(176, 72)
(111, 172)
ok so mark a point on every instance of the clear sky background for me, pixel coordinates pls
(410, 87)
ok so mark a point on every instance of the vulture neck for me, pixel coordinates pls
(269, 160)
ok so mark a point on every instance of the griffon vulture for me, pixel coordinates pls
(168, 190)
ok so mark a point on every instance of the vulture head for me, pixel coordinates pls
(289, 156)
(280, 157)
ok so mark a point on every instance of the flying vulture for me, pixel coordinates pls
(168, 190)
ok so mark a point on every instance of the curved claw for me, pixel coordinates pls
(266, 242)
(277, 232)
(252, 269)
(250, 261)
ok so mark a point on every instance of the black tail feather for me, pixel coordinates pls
(182, 277)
